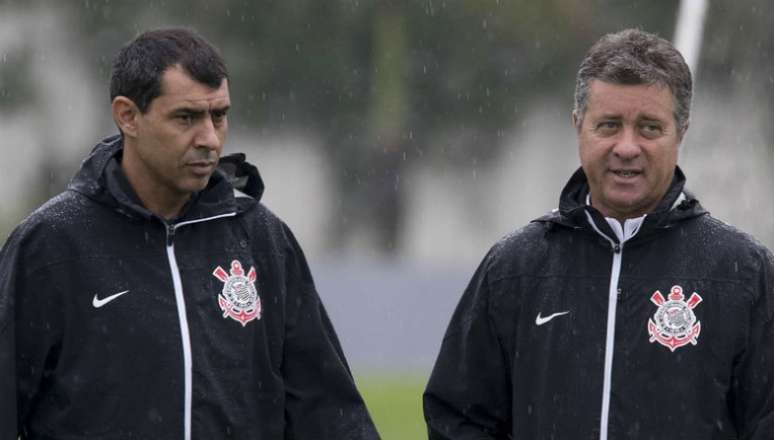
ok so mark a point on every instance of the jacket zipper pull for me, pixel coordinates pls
(170, 234)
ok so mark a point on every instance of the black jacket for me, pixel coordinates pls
(561, 333)
(115, 324)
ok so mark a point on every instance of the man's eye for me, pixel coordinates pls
(651, 130)
(607, 127)
(218, 117)
(186, 119)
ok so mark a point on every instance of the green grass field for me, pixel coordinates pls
(395, 403)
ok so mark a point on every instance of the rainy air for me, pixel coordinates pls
(365, 220)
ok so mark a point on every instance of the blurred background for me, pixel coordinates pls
(398, 139)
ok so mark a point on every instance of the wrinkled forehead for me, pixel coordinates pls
(654, 100)
(180, 89)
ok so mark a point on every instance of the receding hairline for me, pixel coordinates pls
(181, 68)
(138, 67)
(660, 85)
(636, 57)
(164, 91)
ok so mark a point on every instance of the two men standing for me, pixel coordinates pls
(157, 298)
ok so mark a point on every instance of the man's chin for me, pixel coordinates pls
(632, 210)
(196, 185)
(622, 205)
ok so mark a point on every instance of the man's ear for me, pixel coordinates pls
(125, 114)
(576, 121)
(681, 133)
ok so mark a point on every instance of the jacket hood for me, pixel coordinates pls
(677, 204)
(101, 179)
(242, 175)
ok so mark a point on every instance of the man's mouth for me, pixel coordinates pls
(202, 166)
(626, 173)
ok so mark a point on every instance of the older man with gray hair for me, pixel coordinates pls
(627, 313)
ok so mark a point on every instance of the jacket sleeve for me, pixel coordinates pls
(8, 410)
(753, 382)
(321, 399)
(30, 330)
(468, 394)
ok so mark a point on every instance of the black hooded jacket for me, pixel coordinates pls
(577, 328)
(115, 324)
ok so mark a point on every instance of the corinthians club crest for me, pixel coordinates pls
(239, 298)
(674, 324)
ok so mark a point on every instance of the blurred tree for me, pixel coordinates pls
(738, 55)
(15, 88)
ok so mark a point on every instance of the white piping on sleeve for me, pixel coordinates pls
(629, 230)
(206, 219)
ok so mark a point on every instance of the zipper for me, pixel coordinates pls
(185, 334)
(623, 234)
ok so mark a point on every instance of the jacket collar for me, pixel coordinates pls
(101, 179)
(677, 204)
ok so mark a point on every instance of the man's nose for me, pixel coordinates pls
(628, 144)
(207, 135)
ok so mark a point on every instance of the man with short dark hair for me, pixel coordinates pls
(627, 313)
(156, 298)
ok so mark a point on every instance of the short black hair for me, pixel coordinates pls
(139, 66)
(633, 57)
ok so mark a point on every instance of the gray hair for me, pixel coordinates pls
(633, 57)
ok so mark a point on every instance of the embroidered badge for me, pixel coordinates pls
(239, 298)
(674, 324)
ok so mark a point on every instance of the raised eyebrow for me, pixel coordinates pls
(222, 110)
(187, 111)
(609, 117)
(649, 118)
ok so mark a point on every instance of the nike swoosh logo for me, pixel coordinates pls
(97, 303)
(540, 320)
